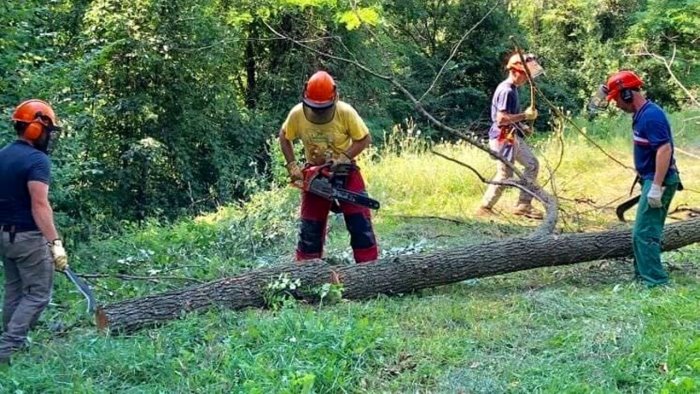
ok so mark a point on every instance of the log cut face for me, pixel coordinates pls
(395, 275)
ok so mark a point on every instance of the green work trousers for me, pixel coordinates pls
(647, 234)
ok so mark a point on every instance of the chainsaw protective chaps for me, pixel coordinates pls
(314, 218)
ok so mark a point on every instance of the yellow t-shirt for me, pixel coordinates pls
(328, 140)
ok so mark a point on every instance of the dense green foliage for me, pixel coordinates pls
(170, 105)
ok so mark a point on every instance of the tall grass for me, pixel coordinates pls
(409, 179)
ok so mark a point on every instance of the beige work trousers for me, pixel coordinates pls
(519, 152)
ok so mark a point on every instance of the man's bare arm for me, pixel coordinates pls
(41, 209)
(663, 161)
(504, 118)
(358, 146)
(287, 148)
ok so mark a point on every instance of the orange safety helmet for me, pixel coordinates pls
(623, 82)
(37, 114)
(533, 66)
(514, 63)
(320, 91)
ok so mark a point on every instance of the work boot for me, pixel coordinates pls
(528, 211)
(485, 212)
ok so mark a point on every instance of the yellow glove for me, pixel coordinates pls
(340, 164)
(342, 158)
(530, 113)
(294, 171)
(60, 259)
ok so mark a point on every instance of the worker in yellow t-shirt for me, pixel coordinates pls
(330, 130)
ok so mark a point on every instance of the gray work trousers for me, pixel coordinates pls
(519, 152)
(28, 282)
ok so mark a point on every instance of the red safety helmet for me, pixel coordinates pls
(620, 81)
(37, 114)
(320, 91)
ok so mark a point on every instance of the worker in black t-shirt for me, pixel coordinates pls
(30, 247)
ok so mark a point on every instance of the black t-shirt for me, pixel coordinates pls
(20, 163)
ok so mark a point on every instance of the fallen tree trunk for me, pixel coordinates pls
(394, 275)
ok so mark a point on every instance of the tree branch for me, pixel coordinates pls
(578, 129)
(550, 204)
(552, 207)
(668, 65)
(454, 51)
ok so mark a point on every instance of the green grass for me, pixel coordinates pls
(578, 329)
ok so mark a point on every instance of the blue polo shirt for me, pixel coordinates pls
(651, 130)
(505, 99)
(20, 163)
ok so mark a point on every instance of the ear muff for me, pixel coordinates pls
(34, 129)
(626, 95)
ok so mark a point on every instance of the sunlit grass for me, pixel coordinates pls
(412, 181)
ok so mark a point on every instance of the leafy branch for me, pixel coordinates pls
(549, 202)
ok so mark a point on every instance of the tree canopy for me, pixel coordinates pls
(170, 106)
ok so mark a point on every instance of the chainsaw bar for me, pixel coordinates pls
(321, 187)
(355, 198)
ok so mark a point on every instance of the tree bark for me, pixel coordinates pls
(393, 275)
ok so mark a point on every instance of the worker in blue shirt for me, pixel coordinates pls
(656, 167)
(30, 248)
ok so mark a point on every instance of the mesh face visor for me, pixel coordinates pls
(533, 65)
(599, 100)
(54, 133)
(319, 116)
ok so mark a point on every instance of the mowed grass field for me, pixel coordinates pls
(577, 329)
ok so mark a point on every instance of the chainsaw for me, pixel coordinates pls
(326, 181)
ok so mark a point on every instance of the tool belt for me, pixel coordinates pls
(638, 180)
(506, 134)
(13, 229)
(17, 228)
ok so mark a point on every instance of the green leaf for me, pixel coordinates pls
(355, 18)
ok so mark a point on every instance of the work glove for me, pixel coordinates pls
(530, 113)
(342, 158)
(294, 171)
(654, 196)
(341, 163)
(60, 259)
